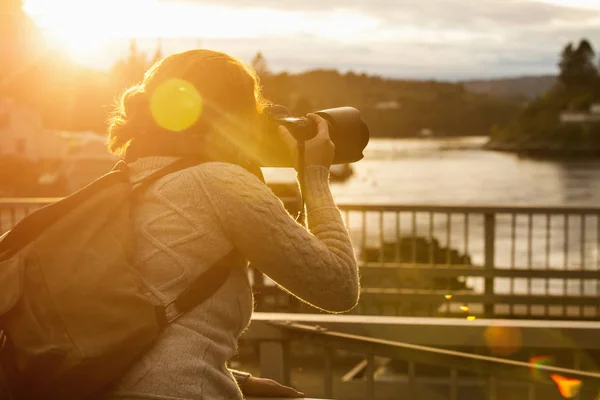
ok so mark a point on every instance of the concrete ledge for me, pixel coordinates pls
(443, 332)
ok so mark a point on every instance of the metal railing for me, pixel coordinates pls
(518, 262)
(12, 210)
(527, 258)
(276, 333)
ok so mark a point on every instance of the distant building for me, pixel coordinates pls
(387, 105)
(573, 117)
(77, 158)
(22, 134)
(87, 159)
(426, 133)
(579, 117)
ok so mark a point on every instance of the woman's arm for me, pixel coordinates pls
(240, 377)
(252, 386)
(317, 265)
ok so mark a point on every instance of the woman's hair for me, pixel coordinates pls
(229, 90)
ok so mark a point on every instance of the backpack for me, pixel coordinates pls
(73, 309)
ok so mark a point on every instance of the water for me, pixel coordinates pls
(456, 171)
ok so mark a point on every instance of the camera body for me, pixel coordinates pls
(347, 131)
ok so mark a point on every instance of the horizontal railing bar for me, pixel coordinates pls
(474, 209)
(393, 295)
(423, 321)
(463, 381)
(428, 355)
(439, 332)
(436, 208)
(6, 202)
(445, 270)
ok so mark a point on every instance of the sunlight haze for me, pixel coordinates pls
(428, 38)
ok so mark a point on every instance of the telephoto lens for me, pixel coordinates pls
(347, 131)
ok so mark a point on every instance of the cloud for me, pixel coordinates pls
(439, 39)
(445, 39)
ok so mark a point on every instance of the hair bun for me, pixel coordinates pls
(135, 101)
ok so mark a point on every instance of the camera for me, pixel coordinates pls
(347, 131)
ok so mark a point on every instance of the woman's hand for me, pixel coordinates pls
(268, 388)
(319, 150)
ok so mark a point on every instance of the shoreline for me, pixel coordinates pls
(545, 150)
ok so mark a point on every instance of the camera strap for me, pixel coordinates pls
(301, 218)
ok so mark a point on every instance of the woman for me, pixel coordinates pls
(208, 104)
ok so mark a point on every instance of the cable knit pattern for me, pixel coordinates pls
(190, 219)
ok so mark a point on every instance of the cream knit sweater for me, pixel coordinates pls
(190, 219)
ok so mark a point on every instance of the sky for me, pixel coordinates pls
(417, 39)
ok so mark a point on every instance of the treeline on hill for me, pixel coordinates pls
(75, 98)
(391, 107)
(539, 129)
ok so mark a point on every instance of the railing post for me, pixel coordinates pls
(412, 380)
(453, 384)
(492, 387)
(275, 361)
(328, 372)
(370, 376)
(489, 226)
(258, 281)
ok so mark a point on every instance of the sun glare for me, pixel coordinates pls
(83, 27)
(588, 4)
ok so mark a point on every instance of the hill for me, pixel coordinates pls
(541, 128)
(392, 107)
(526, 86)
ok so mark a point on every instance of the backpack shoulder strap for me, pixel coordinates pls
(182, 163)
(200, 290)
(10, 384)
(34, 224)
(207, 284)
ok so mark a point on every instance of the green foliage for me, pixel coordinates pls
(539, 128)
(21, 179)
(131, 70)
(259, 63)
(577, 66)
(71, 97)
(393, 108)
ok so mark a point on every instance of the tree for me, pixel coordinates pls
(566, 65)
(259, 63)
(158, 55)
(23, 183)
(585, 57)
(136, 62)
(131, 70)
(577, 66)
(19, 50)
(302, 106)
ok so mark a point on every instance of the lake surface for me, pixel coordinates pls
(456, 171)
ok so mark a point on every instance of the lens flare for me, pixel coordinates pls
(568, 387)
(176, 105)
(536, 372)
(502, 340)
(471, 318)
(448, 297)
(464, 308)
